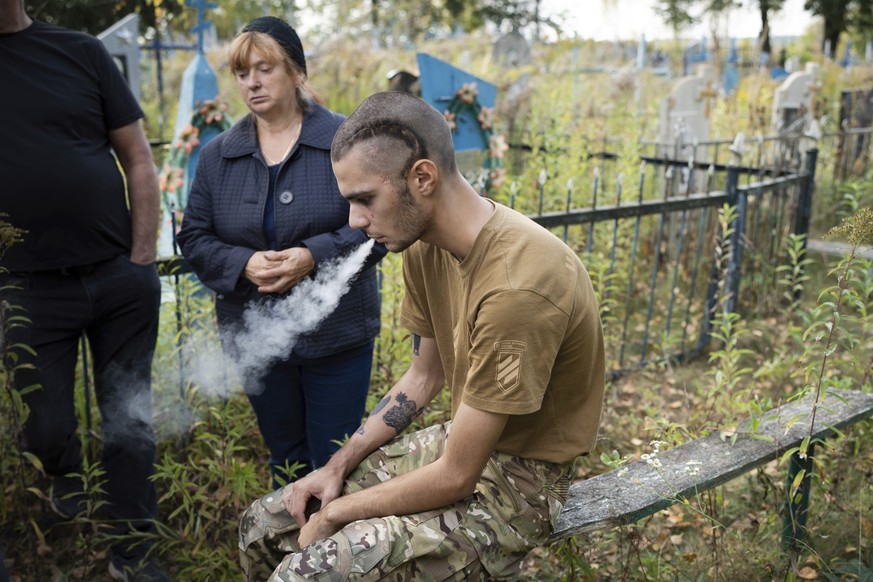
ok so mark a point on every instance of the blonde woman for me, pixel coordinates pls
(264, 212)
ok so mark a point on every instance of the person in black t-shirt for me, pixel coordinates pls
(86, 264)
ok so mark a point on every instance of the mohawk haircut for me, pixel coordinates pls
(396, 126)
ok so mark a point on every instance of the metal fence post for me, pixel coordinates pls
(737, 198)
(839, 170)
(797, 506)
(732, 190)
(804, 202)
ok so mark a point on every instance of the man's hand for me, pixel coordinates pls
(278, 271)
(318, 527)
(323, 484)
(419, 384)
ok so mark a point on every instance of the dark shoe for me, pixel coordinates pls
(136, 570)
(67, 496)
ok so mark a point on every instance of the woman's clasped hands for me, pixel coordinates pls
(278, 271)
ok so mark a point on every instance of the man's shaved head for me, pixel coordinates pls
(397, 130)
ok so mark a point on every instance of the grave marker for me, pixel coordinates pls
(794, 102)
(695, 53)
(199, 82)
(199, 85)
(121, 41)
(856, 108)
(848, 59)
(731, 76)
(684, 116)
(511, 50)
(439, 83)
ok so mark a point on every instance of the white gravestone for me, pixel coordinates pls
(794, 102)
(684, 117)
(684, 122)
(511, 50)
(122, 41)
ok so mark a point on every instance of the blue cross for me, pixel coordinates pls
(202, 25)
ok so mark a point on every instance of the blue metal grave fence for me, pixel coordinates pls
(653, 253)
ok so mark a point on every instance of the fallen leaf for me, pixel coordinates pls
(808, 573)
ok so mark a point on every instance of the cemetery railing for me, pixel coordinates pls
(662, 265)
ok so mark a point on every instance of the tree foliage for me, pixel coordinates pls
(94, 16)
(393, 22)
(842, 16)
(403, 22)
(676, 14)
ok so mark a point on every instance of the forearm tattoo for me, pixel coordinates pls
(401, 414)
(376, 410)
(416, 343)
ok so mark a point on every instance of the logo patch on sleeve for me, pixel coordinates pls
(509, 357)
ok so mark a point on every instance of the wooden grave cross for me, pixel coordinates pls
(708, 93)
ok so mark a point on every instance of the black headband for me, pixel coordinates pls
(282, 33)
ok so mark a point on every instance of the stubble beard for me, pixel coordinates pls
(410, 222)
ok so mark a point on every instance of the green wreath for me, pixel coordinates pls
(467, 99)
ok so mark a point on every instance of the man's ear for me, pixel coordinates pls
(423, 177)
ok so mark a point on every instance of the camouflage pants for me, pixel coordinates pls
(484, 536)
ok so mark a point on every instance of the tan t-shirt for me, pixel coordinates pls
(518, 332)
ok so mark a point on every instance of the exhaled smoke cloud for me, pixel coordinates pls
(270, 331)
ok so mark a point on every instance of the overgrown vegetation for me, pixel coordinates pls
(816, 339)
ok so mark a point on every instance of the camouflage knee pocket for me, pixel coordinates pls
(424, 546)
(267, 522)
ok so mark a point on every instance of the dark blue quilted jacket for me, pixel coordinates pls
(223, 226)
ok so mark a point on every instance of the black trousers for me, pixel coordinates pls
(116, 303)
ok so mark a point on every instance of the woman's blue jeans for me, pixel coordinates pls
(306, 410)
